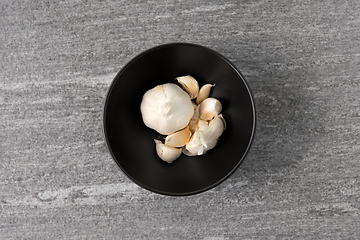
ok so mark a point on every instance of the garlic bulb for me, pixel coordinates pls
(204, 93)
(209, 108)
(166, 108)
(192, 127)
(190, 85)
(179, 138)
(167, 153)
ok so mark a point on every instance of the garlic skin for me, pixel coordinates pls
(209, 108)
(204, 93)
(166, 108)
(167, 153)
(179, 138)
(190, 85)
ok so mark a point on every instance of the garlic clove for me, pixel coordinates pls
(202, 125)
(179, 138)
(166, 108)
(209, 108)
(215, 129)
(190, 85)
(196, 145)
(221, 117)
(204, 93)
(167, 153)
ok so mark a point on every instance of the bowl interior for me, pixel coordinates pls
(131, 142)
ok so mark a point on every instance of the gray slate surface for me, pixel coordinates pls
(300, 179)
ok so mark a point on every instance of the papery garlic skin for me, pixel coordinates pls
(190, 85)
(166, 108)
(167, 153)
(179, 138)
(209, 108)
(204, 93)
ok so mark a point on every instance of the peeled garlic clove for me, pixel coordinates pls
(167, 153)
(196, 145)
(166, 108)
(179, 138)
(214, 131)
(209, 108)
(204, 93)
(190, 85)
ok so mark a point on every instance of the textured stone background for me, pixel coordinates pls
(300, 180)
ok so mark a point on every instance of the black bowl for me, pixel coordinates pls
(131, 143)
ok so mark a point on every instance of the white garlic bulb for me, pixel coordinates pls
(209, 108)
(166, 108)
(167, 153)
(179, 138)
(192, 127)
(190, 85)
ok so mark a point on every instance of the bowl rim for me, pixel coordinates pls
(115, 80)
